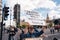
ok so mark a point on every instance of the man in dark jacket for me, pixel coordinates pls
(33, 32)
(24, 34)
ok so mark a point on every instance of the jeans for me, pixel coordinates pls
(11, 37)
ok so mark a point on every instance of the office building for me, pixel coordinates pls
(17, 13)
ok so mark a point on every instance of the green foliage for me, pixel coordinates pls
(56, 22)
(50, 25)
(23, 26)
(18, 26)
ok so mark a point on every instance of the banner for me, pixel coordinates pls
(34, 39)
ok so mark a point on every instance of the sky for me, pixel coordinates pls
(44, 7)
(52, 7)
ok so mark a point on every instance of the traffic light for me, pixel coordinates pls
(5, 12)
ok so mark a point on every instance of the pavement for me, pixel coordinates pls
(5, 35)
(51, 36)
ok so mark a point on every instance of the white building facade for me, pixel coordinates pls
(34, 18)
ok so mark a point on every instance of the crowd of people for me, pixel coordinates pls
(31, 32)
(27, 32)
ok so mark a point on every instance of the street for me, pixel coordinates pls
(50, 36)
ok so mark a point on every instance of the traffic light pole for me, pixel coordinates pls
(2, 26)
(1, 29)
(4, 15)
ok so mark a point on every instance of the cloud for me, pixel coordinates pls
(32, 4)
(57, 8)
(47, 4)
(53, 14)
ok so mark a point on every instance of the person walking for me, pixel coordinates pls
(12, 31)
(52, 30)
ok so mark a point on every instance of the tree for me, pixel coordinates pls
(18, 25)
(50, 24)
(23, 26)
(56, 22)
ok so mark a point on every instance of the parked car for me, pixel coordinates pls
(57, 27)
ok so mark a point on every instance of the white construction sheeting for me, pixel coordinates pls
(34, 18)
